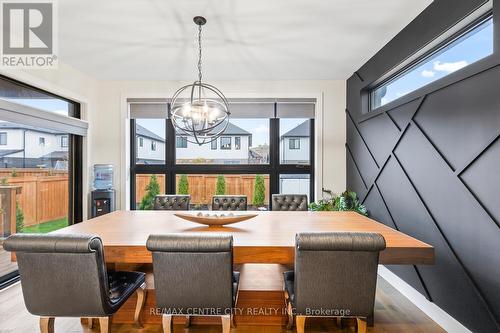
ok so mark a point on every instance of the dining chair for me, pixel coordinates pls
(66, 276)
(289, 202)
(172, 202)
(335, 275)
(229, 202)
(194, 272)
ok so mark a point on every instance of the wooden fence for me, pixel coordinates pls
(202, 187)
(44, 194)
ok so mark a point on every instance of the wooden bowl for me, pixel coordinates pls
(215, 219)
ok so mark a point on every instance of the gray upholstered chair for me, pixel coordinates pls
(229, 202)
(66, 276)
(335, 276)
(289, 202)
(194, 272)
(172, 202)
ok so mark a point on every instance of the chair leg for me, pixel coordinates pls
(90, 322)
(166, 322)
(105, 324)
(300, 322)
(361, 325)
(226, 323)
(339, 322)
(141, 298)
(233, 323)
(47, 324)
(188, 322)
(370, 320)
(289, 324)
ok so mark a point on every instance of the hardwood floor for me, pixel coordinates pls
(6, 266)
(393, 313)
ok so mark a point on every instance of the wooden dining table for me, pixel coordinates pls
(264, 247)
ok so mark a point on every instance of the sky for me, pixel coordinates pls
(258, 127)
(473, 46)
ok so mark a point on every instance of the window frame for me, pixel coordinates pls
(214, 143)
(230, 143)
(41, 141)
(237, 143)
(141, 141)
(370, 90)
(64, 141)
(5, 136)
(183, 141)
(295, 147)
(170, 168)
(153, 145)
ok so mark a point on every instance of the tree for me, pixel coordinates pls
(152, 190)
(183, 186)
(259, 191)
(220, 188)
(19, 218)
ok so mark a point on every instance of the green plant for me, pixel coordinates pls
(4, 182)
(13, 173)
(220, 187)
(259, 191)
(152, 190)
(183, 186)
(19, 218)
(347, 201)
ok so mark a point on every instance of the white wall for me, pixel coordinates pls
(145, 152)
(295, 155)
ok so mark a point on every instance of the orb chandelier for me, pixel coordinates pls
(199, 110)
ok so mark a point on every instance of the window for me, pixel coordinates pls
(41, 141)
(150, 134)
(295, 184)
(294, 143)
(3, 138)
(295, 135)
(181, 142)
(225, 143)
(64, 142)
(239, 160)
(473, 45)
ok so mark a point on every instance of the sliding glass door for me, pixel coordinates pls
(37, 166)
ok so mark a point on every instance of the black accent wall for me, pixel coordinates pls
(428, 164)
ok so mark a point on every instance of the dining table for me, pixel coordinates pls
(263, 248)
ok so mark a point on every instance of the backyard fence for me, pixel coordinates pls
(44, 193)
(202, 187)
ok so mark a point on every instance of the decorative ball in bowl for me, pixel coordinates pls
(215, 219)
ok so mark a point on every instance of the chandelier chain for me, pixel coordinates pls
(199, 53)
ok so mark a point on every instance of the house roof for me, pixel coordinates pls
(302, 130)
(232, 129)
(7, 152)
(142, 131)
(58, 154)
(9, 125)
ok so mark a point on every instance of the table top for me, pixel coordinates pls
(267, 238)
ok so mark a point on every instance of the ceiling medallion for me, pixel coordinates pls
(199, 110)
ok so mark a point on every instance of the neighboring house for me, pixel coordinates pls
(24, 146)
(295, 144)
(232, 147)
(150, 146)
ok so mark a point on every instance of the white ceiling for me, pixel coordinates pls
(243, 39)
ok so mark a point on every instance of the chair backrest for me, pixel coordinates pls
(289, 202)
(172, 202)
(193, 272)
(229, 202)
(336, 271)
(62, 275)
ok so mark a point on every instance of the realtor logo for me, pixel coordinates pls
(28, 32)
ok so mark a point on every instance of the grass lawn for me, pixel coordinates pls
(46, 226)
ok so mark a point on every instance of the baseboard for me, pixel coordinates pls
(441, 317)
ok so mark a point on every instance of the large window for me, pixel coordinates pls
(258, 154)
(40, 165)
(475, 44)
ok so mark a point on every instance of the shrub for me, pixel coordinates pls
(152, 190)
(259, 191)
(347, 201)
(220, 187)
(183, 186)
(19, 218)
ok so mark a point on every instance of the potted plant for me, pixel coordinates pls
(346, 201)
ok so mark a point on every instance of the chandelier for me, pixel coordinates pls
(199, 110)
